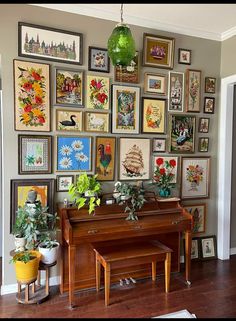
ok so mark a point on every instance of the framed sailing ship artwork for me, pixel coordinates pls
(134, 158)
(176, 91)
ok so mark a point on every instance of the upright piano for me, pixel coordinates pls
(159, 219)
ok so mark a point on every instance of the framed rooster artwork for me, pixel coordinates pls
(105, 158)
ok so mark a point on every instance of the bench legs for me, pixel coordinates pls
(167, 271)
(107, 283)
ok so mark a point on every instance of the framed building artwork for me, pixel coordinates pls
(203, 144)
(98, 59)
(63, 182)
(69, 120)
(155, 83)
(105, 158)
(125, 109)
(208, 247)
(96, 122)
(159, 145)
(198, 211)
(134, 158)
(34, 154)
(210, 85)
(182, 133)
(98, 92)
(68, 88)
(19, 193)
(195, 177)
(74, 153)
(184, 56)
(40, 42)
(153, 115)
(167, 164)
(193, 90)
(158, 51)
(204, 123)
(32, 96)
(176, 91)
(129, 74)
(209, 105)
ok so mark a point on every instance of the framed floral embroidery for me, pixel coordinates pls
(98, 92)
(193, 90)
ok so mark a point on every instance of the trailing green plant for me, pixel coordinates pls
(86, 191)
(24, 256)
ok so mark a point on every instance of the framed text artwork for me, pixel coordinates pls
(153, 115)
(19, 193)
(42, 42)
(130, 73)
(195, 177)
(98, 59)
(134, 158)
(69, 84)
(96, 122)
(158, 51)
(198, 211)
(155, 83)
(176, 91)
(125, 109)
(32, 96)
(98, 92)
(34, 154)
(193, 90)
(69, 120)
(105, 158)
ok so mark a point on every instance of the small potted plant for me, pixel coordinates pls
(19, 230)
(86, 192)
(48, 247)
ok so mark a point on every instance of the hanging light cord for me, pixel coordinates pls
(121, 13)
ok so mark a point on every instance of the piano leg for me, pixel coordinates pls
(188, 246)
(71, 253)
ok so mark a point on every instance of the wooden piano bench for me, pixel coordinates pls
(131, 254)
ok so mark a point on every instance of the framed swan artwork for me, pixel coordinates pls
(69, 120)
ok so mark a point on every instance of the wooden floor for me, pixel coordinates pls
(211, 295)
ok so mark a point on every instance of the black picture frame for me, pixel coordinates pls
(203, 124)
(59, 177)
(182, 51)
(92, 51)
(201, 142)
(209, 109)
(195, 249)
(204, 247)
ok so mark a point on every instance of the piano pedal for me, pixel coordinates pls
(121, 282)
(127, 281)
(132, 280)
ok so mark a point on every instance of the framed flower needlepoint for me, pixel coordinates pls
(98, 92)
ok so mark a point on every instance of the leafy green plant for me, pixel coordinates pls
(86, 191)
(24, 256)
(47, 241)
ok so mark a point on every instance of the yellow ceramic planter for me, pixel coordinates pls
(26, 272)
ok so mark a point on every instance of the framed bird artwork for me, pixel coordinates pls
(69, 120)
(105, 158)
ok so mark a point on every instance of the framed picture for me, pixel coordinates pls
(193, 90)
(184, 56)
(69, 86)
(129, 73)
(32, 96)
(63, 182)
(203, 144)
(69, 120)
(19, 194)
(160, 161)
(34, 154)
(182, 133)
(155, 83)
(159, 145)
(176, 91)
(96, 122)
(209, 105)
(134, 158)
(98, 89)
(198, 211)
(98, 59)
(158, 51)
(208, 247)
(125, 109)
(153, 115)
(204, 123)
(195, 249)
(195, 178)
(74, 153)
(105, 158)
(42, 42)
(210, 85)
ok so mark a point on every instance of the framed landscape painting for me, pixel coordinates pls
(96, 122)
(153, 115)
(129, 74)
(48, 43)
(63, 182)
(69, 120)
(98, 59)
(134, 158)
(193, 90)
(155, 83)
(32, 96)
(176, 91)
(98, 92)
(105, 158)
(198, 211)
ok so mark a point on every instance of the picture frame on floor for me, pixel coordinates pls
(198, 211)
(195, 249)
(208, 247)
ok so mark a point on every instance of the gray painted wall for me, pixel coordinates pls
(205, 57)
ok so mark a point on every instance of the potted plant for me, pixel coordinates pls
(48, 247)
(86, 192)
(19, 230)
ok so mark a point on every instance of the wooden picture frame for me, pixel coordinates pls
(158, 51)
(40, 42)
(193, 90)
(210, 85)
(184, 56)
(176, 91)
(209, 105)
(35, 154)
(68, 87)
(20, 188)
(69, 120)
(208, 247)
(98, 92)
(203, 144)
(155, 83)
(98, 59)
(130, 73)
(203, 125)
(74, 153)
(158, 145)
(198, 211)
(63, 182)
(31, 96)
(97, 122)
(105, 158)
(195, 249)
(154, 115)
(165, 164)
(195, 177)
(125, 109)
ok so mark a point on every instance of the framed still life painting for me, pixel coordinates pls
(69, 120)
(168, 165)
(153, 115)
(134, 158)
(198, 211)
(98, 59)
(125, 109)
(96, 122)
(32, 96)
(98, 92)
(129, 74)
(193, 90)
(195, 177)
(105, 158)
(176, 91)
(155, 83)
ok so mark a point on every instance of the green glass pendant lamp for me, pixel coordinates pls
(121, 45)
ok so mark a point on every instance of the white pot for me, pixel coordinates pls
(20, 243)
(49, 256)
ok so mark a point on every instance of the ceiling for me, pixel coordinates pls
(210, 21)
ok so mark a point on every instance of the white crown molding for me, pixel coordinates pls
(228, 34)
